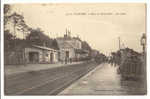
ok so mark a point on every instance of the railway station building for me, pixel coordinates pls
(40, 54)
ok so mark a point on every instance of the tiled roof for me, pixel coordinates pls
(81, 51)
(68, 43)
(43, 47)
(64, 45)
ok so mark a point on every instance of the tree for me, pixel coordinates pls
(8, 40)
(19, 25)
(7, 10)
(55, 44)
(37, 37)
(86, 46)
(24, 28)
(17, 21)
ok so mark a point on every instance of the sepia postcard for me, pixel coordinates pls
(75, 49)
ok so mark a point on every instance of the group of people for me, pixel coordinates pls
(114, 61)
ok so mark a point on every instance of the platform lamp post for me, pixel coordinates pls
(143, 43)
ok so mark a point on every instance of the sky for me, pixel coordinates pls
(100, 24)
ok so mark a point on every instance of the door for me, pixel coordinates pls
(51, 57)
(33, 57)
(67, 57)
(67, 54)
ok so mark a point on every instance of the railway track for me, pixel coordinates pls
(48, 82)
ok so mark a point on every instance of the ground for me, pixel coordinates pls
(105, 81)
(85, 78)
(48, 81)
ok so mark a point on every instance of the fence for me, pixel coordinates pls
(13, 58)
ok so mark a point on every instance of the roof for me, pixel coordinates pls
(67, 43)
(43, 47)
(80, 51)
(128, 50)
(62, 43)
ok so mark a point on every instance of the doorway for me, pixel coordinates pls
(51, 57)
(67, 57)
(33, 57)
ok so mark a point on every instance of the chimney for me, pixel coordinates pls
(69, 33)
(66, 32)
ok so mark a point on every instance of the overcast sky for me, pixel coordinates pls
(100, 24)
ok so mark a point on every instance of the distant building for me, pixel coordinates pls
(40, 54)
(94, 53)
(70, 48)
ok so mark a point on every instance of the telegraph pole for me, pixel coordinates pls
(119, 42)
